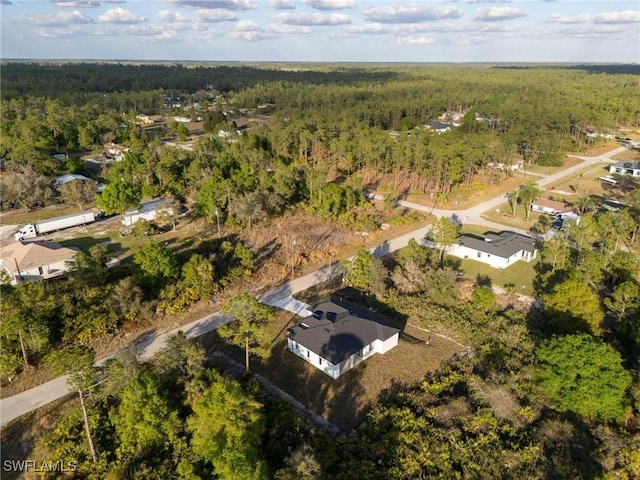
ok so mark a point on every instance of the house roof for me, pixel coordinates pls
(30, 255)
(505, 244)
(626, 164)
(335, 333)
(69, 177)
(438, 125)
(557, 206)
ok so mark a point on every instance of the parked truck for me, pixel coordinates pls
(148, 211)
(49, 225)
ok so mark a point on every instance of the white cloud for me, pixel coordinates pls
(282, 5)
(165, 16)
(313, 19)
(330, 4)
(216, 4)
(420, 40)
(120, 15)
(367, 29)
(497, 14)
(290, 29)
(252, 36)
(75, 4)
(65, 32)
(247, 26)
(411, 13)
(596, 31)
(59, 19)
(628, 16)
(555, 18)
(214, 16)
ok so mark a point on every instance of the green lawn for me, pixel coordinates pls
(521, 274)
(85, 243)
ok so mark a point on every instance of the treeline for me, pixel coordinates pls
(341, 128)
(70, 82)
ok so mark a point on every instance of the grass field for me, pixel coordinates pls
(520, 274)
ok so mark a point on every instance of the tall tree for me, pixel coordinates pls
(77, 362)
(247, 329)
(529, 192)
(582, 374)
(573, 305)
(444, 233)
(156, 262)
(227, 425)
(79, 192)
(145, 420)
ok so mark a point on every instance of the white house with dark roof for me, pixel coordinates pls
(498, 250)
(625, 167)
(335, 339)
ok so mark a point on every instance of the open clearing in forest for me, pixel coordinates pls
(346, 400)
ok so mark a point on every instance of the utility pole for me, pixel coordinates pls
(218, 221)
(293, 244)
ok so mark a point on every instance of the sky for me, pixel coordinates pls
(591, 31)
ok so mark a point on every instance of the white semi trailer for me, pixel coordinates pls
(49, 225)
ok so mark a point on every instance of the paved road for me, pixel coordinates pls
(25, 402)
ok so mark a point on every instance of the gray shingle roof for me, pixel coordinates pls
(335, 333)
(504, 245)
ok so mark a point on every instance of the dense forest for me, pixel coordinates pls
(547, 393)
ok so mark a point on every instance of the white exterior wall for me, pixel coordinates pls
(314, 359)
(31, 274)
(492, 260)
(541, 209)
(388, 344)
(623, 171)
(472, 254)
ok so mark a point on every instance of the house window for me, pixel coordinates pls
(308, 354)
(479, 254)
(40, 271)
(320, 360)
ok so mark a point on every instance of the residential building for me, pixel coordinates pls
(69, 177)
(113, 151)
(335, 339)
(439, 127)
(498, 250)
(37, 260)
(550, 207)
(625, 168)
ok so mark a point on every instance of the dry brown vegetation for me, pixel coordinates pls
(346, 400)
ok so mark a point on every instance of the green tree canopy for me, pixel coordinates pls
(157, 264)
(573, 305)
(247, 330)
(227, 426)
(584, 375)
(145, 419)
